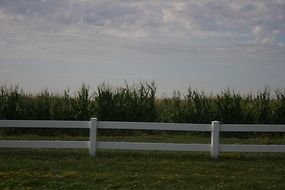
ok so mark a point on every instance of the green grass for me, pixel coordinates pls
(167, 137)
(75, 169)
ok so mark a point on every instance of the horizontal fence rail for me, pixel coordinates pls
(43, 144)
(214, 148)
(252, 148)
(154, 146)
(251, 128)
(44, 124)
(153, 126)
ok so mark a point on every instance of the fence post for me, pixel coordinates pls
(92, 136)
(215, 133)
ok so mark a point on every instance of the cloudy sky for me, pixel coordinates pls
(208, 44)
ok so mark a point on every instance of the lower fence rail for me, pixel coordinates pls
(105, 145)
(251, 148)
(154, 146)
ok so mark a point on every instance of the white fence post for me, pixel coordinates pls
(92, 136)
(215, 133)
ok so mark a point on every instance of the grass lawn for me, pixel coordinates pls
(75, 169)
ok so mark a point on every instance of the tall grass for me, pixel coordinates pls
(136, 103)
(139, 103)
(279, 110)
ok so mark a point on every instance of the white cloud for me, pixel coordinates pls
(257, 30)
(258, 21)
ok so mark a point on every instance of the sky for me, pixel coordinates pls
(209, 45)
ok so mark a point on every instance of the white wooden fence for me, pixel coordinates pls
(214, 148)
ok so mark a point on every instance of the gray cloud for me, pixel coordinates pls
(263, 22)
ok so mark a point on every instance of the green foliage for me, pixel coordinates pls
(170, 110)
(139, 103)
(229, 107)
(11, 101)
(279, 107)
(262, 107)
(199, 107)
(135, 103)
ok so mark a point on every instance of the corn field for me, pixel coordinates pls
(139, 103)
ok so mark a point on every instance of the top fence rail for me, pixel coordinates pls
(142, 126)
(251, 128)
(154, 126)
(43, 124)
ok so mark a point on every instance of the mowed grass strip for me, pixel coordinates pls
(75, 169)
(110, 169)
(166, 137)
